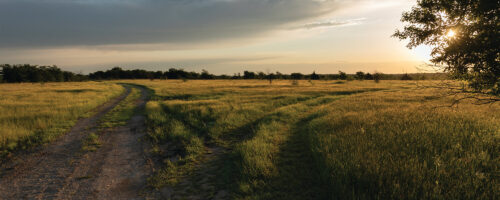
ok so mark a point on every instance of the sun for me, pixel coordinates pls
(451, 34)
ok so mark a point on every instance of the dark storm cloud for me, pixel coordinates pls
(53, 23)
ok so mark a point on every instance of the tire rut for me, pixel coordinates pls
(61, 171)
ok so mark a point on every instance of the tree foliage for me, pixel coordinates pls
(296, 76)
(464, 35)
(34, 73)
(314, 76)
(342, 75)
(360, 75)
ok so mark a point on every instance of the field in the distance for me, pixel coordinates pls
(321, 140)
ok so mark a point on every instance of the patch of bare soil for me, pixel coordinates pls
(116, 170)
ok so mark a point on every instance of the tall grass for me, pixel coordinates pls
(32, 114)
(357, 140)
(393, 145)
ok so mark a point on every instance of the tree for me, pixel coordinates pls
(270, 77)
(296, 76)
(261, 75)
(360, 75)
(248, 75)
(314, 76)
(342, 75)
(368, 76)
(406, 77)
(206, 75)
(279, 75)
(34, 73)
(377, 76)
(464, 38)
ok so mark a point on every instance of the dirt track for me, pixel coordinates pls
(117, 170)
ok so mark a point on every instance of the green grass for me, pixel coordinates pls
(122, 112)
(34, 114)
(118, 116)
(324, 140)
(391, 147)
(91, 143)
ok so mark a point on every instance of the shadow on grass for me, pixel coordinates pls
(298, 175)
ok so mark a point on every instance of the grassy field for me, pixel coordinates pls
(248, 139)
(324, 140)
(32, 114)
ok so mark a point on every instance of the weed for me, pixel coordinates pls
(91, 143)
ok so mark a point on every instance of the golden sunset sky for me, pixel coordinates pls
(221, 36)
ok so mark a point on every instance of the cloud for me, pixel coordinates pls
(58, 23)
(332, 23)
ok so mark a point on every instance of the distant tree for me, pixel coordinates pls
(360, 75)
(314, 76)
(296, 76)
(464, 36)
(171, 74)
(406, 77)
(206, 75)
(158, 75)
(236, 76)
(261, 75)
(342, 75)
(377, 77)
(332, 76)
(248, 75)
(34, 73)
(368, 76)
(279, 75)
(270, 77)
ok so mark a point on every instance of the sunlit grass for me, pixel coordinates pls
(122, 112)
(392, 145)
(32, 114)
(326, 140)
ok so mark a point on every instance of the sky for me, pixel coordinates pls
(221, 36)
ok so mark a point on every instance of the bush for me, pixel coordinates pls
(360, 75)
(342, 75)
(377, 77)
(406, 77)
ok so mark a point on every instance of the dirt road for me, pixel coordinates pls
(60, 170)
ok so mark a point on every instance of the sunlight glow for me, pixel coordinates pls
(451, 34)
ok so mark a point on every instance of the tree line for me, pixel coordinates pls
(34, 73)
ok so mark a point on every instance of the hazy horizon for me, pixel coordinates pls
(221, 36)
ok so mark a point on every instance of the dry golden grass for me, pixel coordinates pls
(37, 113)
(328, 139)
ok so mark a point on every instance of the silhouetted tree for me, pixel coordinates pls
(464, 36)
(406, 77)
(270, 77)
(314, 76)
(261, 75)
(33, 73)
(368, 76)
(205, 75)
(296, 76)
(342, 75)
(360, 75)
(236, 76)
(248, 75)
(377, 77)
